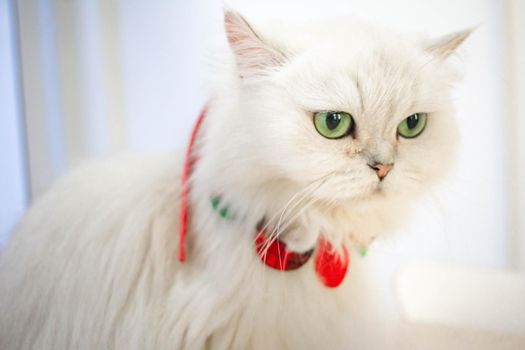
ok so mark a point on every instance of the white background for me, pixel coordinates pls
(91, 78)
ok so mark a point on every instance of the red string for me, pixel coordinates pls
(185, 188)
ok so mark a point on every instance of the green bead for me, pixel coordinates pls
(225, 214)
(363, 251)
(224, 211)
(214, 202)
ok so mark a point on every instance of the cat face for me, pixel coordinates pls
(360, 113)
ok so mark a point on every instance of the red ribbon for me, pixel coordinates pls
(189, 161)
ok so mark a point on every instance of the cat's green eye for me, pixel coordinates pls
(333, 125)
(412, 126)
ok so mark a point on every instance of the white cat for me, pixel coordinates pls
(320, 134)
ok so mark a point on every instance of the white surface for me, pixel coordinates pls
(464, 298)
(430, 337)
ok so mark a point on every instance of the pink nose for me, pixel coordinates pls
(381, 170)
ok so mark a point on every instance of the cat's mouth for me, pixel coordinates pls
(344, 188)
(379, 186)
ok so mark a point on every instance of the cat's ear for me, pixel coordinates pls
(253, 55)
(446, 45)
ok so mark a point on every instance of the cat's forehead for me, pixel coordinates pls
(376, 80)
(341, 64)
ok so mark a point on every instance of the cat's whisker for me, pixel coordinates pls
(302, 193)
(315, 188)
(280, 228)
(298, 197)
(276, 232)
(271, 238)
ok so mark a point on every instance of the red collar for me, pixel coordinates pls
(329, 266)
(189, 160)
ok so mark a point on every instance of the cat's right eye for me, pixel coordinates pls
(412, 126)
(333, 125)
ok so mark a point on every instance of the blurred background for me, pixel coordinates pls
(91, 78)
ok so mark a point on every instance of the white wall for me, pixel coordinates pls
(164, 56)
(516, 87)
(42, 93)
(12, 150)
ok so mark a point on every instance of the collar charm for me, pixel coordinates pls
(274, 254)
(330, 267)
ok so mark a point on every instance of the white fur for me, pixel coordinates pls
(93, 265)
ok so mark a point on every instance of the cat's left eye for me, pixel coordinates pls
(412, 126)
(333, 125)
